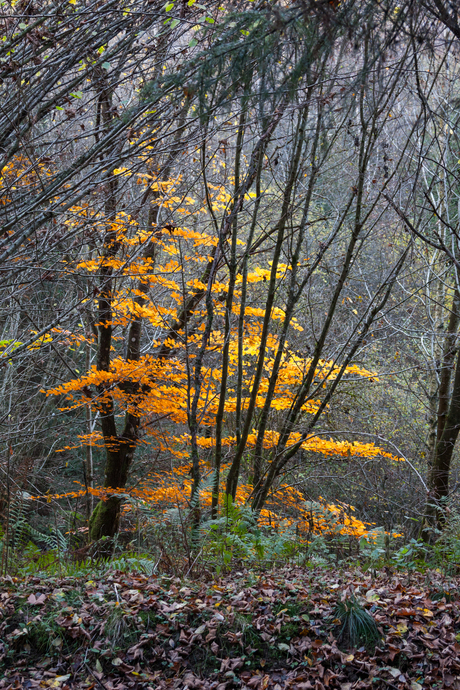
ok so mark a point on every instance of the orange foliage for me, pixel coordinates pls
(286, 507)
(150, 388)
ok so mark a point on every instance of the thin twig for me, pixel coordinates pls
(99, 682)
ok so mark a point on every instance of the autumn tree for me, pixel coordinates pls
(191, 199)
(75, 84)
(241, 210)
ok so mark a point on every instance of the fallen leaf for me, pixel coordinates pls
(372, 596)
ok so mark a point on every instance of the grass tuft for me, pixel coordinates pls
(357, 625)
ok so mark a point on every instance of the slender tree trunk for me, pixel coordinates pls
(120, 450)
(437, 356)
(227, 334)
(448, 425)
(233, 475)
(438, 480)
(447, 365)
(104, 521)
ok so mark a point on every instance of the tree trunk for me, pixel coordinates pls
(449, 351)
(438, 480)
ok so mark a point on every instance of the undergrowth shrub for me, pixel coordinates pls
(162, 542)
(237, 537)
(446, 548)
(357, 627)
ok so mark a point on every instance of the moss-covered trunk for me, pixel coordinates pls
(105, 519)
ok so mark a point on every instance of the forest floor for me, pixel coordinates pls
(268, 631)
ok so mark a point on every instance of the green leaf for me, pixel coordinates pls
(169, 7)
(174, 23)
(22, 25)
(191, 2)
(6, 343)
(210, 20)
(58, 107)
(193, 43)
(245, 33)
(106, 65)
(77, 94)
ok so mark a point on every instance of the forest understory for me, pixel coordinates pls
(283, 628)
(229, 344)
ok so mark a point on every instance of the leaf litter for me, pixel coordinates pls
(248, 630)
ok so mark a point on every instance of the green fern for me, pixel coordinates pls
(130, 564)
(55, 540)
(18, 526)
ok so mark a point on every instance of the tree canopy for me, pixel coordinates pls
(229, 258)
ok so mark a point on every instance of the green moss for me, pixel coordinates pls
(148, 619)
(289, 630)
(104, 519)
(291, 608)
